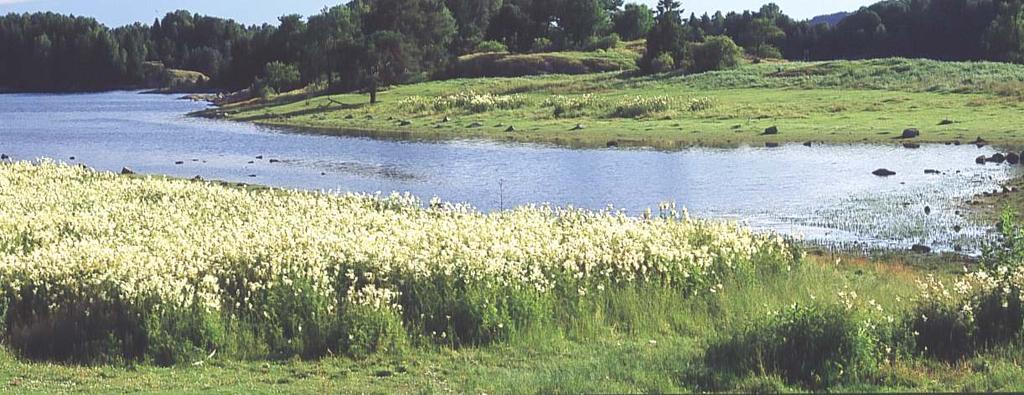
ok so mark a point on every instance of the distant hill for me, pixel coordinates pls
(832, 19)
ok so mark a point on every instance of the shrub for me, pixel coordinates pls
(641, 106)
(607, 42)
(542, 44)
(491, 46)
(982, 309)
(261, 89)
(715, 53)
(663, 63)
(282, 77)
(816, 346)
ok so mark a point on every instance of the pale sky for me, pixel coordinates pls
(121, 12)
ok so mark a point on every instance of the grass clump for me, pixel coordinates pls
(815, 345)
(639, 106)
(570, 106)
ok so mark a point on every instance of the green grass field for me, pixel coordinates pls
(835, 102)
(648, 344)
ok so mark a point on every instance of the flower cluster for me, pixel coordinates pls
(73, 241)
(465, 101)
(703, 103)
(570, 106)
(639, 106)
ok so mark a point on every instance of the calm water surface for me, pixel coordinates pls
(824, 193)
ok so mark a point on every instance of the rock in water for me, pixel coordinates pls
(4, 157)
(772, 130)
(911, 145)
(884, 172)
(911, 133)
(612, 144)
(180, 162)
(808, 144)
(997, 158)
(126, 171)
(921, 249)
(981, 160)
(930, 171)
(771, 145)
(1012, 158)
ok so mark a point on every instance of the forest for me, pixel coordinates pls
(369, 43)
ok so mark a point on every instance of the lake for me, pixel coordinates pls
(823, 193)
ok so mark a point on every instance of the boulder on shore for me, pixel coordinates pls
(911, 145)
(772, 130)
(4, 157)
(884, 172)
(911, 133)
(771, 145)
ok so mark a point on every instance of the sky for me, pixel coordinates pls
(122, 12)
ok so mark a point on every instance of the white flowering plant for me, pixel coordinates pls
(98, 266)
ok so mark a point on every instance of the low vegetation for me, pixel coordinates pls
(842, 101)
(382, 293)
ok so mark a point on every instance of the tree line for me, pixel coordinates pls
(365, 44)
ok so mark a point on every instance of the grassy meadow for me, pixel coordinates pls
(111, 283)
(870, 101)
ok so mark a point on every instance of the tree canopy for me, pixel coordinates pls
(366, 43)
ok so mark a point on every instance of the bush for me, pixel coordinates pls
(663, 63)
(983, 309)
(261, 89)
(607, 42)
(542, 44)
(282, 77)
(816, 346)
(715, 53)
(491, 47)
(766, 52)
